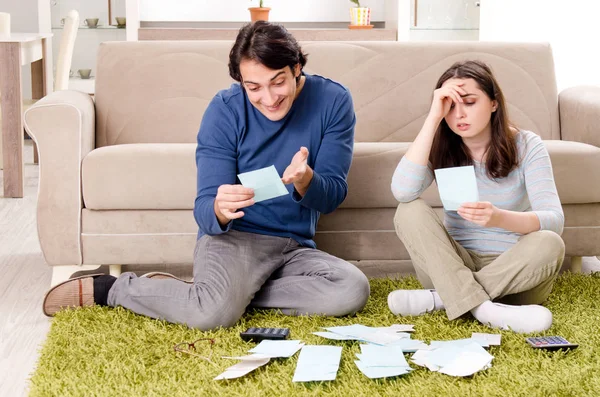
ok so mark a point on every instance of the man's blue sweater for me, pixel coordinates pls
(235, 137)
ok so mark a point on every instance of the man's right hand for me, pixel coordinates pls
(231, 198)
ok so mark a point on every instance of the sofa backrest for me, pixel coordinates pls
(157, 91)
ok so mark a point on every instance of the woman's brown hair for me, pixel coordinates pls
(448, 149)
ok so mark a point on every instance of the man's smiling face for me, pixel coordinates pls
(272, 92)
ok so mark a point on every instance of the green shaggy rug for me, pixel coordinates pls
(113, 352)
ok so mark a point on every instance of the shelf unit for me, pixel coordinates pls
(88, 39)
(402, 20)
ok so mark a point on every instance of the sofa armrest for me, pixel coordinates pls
(63, 126)
(580, 114)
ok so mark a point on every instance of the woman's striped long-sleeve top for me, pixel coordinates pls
(529, 187)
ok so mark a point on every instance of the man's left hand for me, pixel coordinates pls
(482, 213)
(298, 172)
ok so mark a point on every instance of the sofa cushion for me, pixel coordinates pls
(140, 176)
(163, 176)
(370, 177)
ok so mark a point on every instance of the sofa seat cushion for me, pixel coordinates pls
(163, 176)
(576, 168)
(140, 176)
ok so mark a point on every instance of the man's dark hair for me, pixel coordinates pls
(267, 43)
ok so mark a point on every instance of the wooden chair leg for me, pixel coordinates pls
(114, 270)
(576, 263)
(36, 159)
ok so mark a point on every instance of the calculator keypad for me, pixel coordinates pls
(258, 334)
(550, 342)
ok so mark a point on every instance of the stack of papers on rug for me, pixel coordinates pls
(318, 363)
(263, 352)
(382, 357)
(394, 335)
(381, 361)
(461, 357)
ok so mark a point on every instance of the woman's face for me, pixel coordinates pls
(471, 118)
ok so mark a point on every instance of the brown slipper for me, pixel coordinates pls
(75, 292)
(164, 276)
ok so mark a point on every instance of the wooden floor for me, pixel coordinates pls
(24, 278)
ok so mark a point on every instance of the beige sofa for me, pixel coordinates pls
(118, 175)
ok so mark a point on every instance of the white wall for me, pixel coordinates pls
(571, 27)
(23, 19)
(445, 14)
(23, 14)
(237, 10)
(437, 20)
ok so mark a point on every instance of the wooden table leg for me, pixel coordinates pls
(37, 79)
(12, 118)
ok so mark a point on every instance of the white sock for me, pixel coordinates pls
(522, 319)
(437, 301)
(414, 302)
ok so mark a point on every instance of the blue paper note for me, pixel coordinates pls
(357, 330)
(368, 334)
(334, 336)
(458, 342)
(457, 185)
(381, 361)
(489, 339)
(266, 183)
(442, 356)
(381, 372)
(382, 356)
(409, 345)
(456, 358)
(317, 363)
(277, 348)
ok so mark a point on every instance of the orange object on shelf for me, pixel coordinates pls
(259, 13)
(360, 26)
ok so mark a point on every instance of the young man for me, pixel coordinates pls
(255, 254)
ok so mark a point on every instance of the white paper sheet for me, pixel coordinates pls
(266, 183)
(457, 185)
(456, 358)
(491, 339)
(368, 334)
(277, 348)
(247, 365)
(381, 361)
(318, 363)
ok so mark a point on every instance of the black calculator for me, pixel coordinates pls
(550, 342)
(258, 334)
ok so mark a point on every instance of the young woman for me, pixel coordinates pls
(504, 248)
